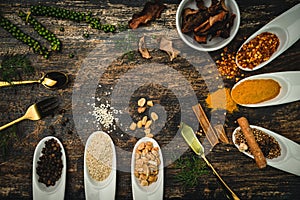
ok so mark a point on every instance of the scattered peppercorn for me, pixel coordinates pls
(62, 29)
(42, 31)
(26, 39)
(71, 55)
(257, 50)
(49, 167)
(86, 35)
(61, 13)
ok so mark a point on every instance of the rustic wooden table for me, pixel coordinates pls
(71, 123)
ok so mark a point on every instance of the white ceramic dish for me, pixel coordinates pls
(285, 27)
(155, 190)
(288, 161)
(217, 42)
(289, 91)
(40, 191)
(100, 189)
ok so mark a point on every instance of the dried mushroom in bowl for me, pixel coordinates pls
(206, 23)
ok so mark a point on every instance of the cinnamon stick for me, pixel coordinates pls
(254, 148)
(206, 126)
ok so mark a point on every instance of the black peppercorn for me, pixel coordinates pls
(49, 167)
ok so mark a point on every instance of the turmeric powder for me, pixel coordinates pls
(221, 99)
(255, 91)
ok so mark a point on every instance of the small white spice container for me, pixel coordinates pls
(155, 190)
(106, 188)
(216, 42)
(39, 190)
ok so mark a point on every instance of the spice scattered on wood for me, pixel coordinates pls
(268, 144)
(151, 11)
(49, 166)
(146, 165)
(104, 115)
(255, 91)
(221, 99)
(41, 30)
(99, 157)
(227, 66)
(23, 37)
(257, 50)
(208, 22)
(253, 145)
(62, 13)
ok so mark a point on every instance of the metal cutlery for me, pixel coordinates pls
(189, 136)
(36, 111)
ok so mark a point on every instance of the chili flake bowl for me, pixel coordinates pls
(214, 43)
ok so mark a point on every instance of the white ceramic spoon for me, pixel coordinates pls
(288, 161)
(286, 27)
(155, 190)
(100, 189)
(289, 91)
(40, 191)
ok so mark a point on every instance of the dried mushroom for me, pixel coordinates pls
(207, 22)
(151, 11)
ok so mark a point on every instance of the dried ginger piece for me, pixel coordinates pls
(143, 50)
(166, 45)
(151, 11)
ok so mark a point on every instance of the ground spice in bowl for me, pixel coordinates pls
(257, 50)
(267, 143)
(255, 91)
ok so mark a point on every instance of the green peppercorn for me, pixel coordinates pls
(86, 35)
(71, 55)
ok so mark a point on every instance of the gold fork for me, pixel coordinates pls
(36, 111)
(189, 136)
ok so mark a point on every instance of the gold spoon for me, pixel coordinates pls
(51, 80)
(189, 136)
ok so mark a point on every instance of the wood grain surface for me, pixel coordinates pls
(69, 123)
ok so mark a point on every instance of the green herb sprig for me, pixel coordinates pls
(12, 67)
(191, 170)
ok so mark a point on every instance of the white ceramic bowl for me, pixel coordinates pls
(217, 42)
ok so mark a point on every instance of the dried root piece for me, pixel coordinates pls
(151, 11)
(167, 46)
(143, 50)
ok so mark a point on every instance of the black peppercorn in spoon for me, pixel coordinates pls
(51, 80)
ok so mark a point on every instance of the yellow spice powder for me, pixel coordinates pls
(255, 91)
(221, 99)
